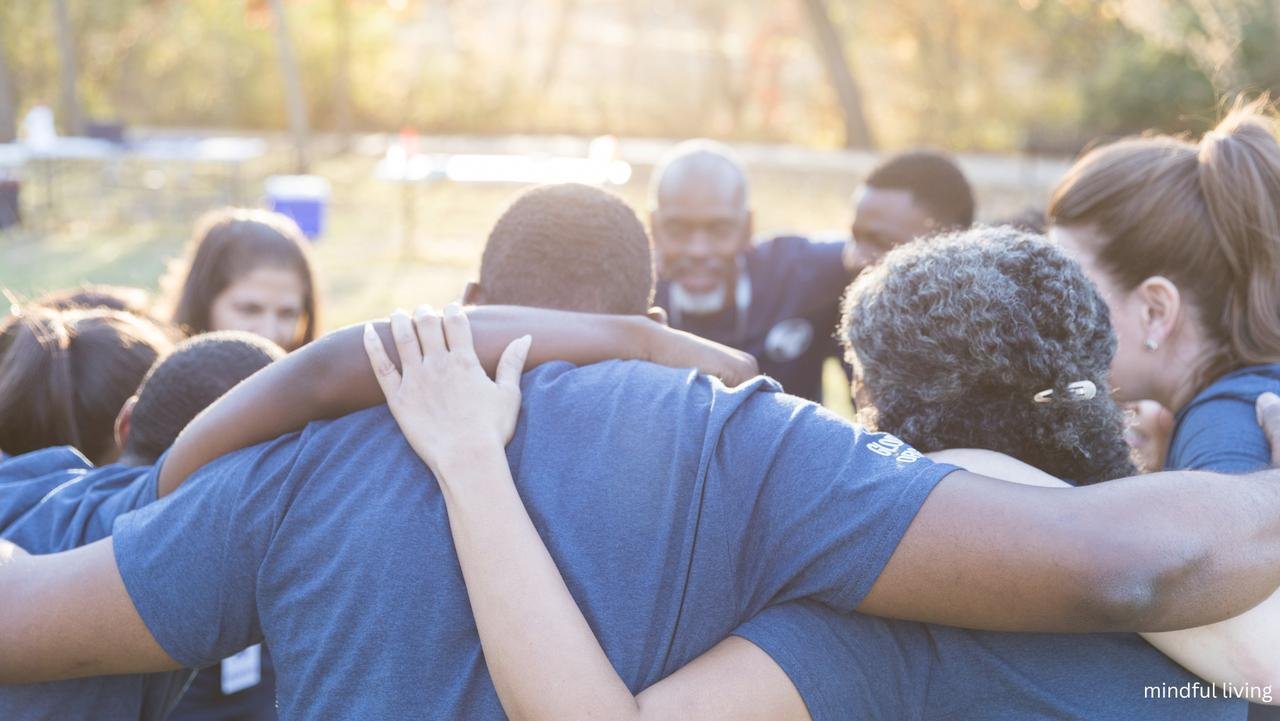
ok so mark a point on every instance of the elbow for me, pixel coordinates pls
(1152, 589)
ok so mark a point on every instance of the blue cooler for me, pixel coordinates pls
(305, 198)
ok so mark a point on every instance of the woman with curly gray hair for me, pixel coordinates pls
(992, 338)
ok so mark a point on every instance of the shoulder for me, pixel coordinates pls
(1218, 430)
(799, 248)
(58, 459)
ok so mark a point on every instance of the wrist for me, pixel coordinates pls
(468, 458)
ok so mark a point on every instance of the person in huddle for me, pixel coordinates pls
(65, 375)
(248, 270)
(1183, 238)
(54, 500)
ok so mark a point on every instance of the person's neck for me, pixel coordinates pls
(1184, 373)
(132, 460)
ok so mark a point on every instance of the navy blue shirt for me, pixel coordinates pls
(1218, 431)
(54, 500)
(855, 666)
(675, 509)
(791, 319)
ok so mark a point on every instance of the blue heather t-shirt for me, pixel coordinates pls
(1218, 430)
(54, 500)
(861, 667)
(790, 323)
(675, 509)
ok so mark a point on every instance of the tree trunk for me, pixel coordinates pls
(8, 102)
(297, 104)
(67, 69)
(342, 78)
(857, 134)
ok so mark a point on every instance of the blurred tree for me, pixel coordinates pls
(857, 134)
(294, 98)
(69, 102)
(8, 101)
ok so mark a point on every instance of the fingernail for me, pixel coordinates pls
(525, 342)
(1268, 398)
(452, 309)
(368, 330)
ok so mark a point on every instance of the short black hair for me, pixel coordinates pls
(569, 247)
(934, 181)
(187, 380)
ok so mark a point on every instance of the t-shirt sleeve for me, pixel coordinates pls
(845, 666)
(190, 561)
(822, 503)
(1220, 434)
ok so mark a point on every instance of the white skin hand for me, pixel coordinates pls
(448, 409)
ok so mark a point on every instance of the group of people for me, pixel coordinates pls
(559, 501)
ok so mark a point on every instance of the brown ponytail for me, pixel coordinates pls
(65, 375)
(1206, 216)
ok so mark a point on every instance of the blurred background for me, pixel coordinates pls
(420, 119)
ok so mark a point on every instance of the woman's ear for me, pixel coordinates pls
(1161, 310)
(124, 420)
(472, 294)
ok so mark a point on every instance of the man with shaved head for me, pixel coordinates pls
(776, 300)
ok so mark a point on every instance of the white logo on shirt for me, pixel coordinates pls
(889, 446)
(788, 340)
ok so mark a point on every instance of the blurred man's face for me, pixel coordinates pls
(882, 220)
(699, 228)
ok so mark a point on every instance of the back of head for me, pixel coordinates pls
(91, 295)
(66, 374)
(571, 247)
(934, 181)
(954, 336)
(228, 244)
(1206, 216)
(183, 383)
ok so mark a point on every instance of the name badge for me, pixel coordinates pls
(242, 671)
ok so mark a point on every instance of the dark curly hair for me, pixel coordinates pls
(952, 336)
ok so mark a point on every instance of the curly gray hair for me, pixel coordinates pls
(952, 337)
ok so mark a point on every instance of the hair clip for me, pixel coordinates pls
(1077, 391)
(15, 304)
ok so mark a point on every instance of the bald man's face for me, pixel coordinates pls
(883, 219)
(699, 227)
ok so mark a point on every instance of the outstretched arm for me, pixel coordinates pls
(543, 657)
(67, 615)
(331, 377)
(1240, 651)
(1160, 552)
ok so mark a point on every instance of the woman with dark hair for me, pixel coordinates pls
(249, 270)
(990, 339)
(65, 375)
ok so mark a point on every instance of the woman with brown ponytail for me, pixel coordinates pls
(1183, 240)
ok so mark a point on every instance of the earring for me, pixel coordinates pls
(1151, 345)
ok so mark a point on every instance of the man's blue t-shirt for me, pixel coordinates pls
(675, 509)
(1218, 430)
(855, 666)
(791, 319)
(54, 500)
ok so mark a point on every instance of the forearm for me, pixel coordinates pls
(543, 657)
(1155, 553)
(1243, 651)
(331, 377)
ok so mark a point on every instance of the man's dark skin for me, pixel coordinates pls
(883, 219)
